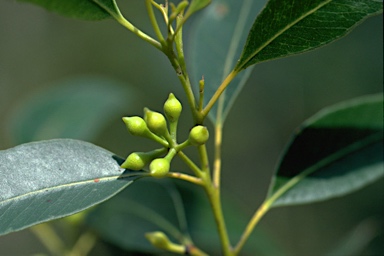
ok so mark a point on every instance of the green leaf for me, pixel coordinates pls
(110, 6)
(80, 9)
(216, 42)
(152, 205)
(46, 180)
(195, 6)
(335, 152)
(290, 27)
(77, 108)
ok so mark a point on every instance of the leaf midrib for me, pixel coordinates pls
(280, 33)
(352, 148)
(77, 183)
(114, 13)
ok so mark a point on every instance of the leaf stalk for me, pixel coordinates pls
(218, 93)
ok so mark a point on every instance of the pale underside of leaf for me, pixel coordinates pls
(337, 151)
(47, 180)
(318, 188)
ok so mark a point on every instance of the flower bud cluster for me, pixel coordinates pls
(163, 130)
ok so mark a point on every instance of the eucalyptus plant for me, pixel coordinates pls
(333, 153)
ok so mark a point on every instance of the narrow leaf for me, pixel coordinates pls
(336, 152)
(80, 9)
(46, 180)
(290, 27)
(218, 35)
(195, 6)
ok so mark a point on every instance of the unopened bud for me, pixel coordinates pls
(136, 125)
(136, 161)
(159, 167)
(160, 240)
(172, 108)
(198, 135)
(156, 123)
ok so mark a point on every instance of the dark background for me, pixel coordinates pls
(38, 48)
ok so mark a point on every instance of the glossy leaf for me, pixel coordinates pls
(81, 9)
(335, 152)
(76, 108)
(218, 36)
(290, 27)
(46, 180)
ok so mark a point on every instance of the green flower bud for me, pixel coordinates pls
(198, 135)
(159, 167)
(158, 239)
(172, 108)
(136, 161)
(156, 123)
(136, 125)
(146, 110)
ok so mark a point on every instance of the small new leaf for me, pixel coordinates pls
(196, 5)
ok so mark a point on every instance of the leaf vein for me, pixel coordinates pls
(281, 32)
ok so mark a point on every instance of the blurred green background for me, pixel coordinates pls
(39, 50)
